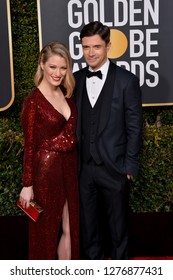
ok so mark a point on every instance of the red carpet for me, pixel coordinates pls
(149, 258)
(153, 258)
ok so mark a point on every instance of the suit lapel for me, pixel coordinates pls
(108, 89)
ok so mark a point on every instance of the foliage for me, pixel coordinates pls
(11, 150)
(152, 191)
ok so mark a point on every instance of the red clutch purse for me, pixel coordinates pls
(33, 211)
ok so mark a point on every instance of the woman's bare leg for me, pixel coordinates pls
(64, 246)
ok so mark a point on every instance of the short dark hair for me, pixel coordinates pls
(96, 28)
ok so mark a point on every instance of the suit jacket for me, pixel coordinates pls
(120, 125)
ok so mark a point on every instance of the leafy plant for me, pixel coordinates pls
(11, 150)
(152, 191)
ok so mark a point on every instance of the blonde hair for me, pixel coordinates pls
(56, 48)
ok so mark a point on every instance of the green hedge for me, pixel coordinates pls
(152, 191)
(11, 150)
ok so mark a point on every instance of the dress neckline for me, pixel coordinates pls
(54, 107)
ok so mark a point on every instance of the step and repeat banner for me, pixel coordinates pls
(141, 40)
(6, 60)
(141, 37)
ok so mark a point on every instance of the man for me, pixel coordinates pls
(109, 133)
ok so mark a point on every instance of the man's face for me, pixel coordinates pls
(95, 51)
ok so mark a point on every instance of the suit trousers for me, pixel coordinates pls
(104, 202)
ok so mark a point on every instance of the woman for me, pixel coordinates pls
(50, 157)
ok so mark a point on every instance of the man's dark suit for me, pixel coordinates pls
(118, 140)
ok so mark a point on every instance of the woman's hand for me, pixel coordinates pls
(26, 195)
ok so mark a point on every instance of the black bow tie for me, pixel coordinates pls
(90, 74)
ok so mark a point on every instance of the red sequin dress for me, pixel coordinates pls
(50, 165)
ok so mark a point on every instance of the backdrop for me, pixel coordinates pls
(6, 62)
(141, 36)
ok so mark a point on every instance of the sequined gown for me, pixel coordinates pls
(50, 165)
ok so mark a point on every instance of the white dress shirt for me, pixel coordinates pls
(94, 84)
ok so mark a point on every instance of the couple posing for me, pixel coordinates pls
(102, 102)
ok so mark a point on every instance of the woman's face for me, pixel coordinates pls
(54, 70)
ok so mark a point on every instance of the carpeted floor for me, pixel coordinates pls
(153, 258)
(151, 237)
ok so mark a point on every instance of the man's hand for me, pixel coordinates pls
(129, 177)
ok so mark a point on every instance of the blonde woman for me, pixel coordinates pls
(49, 177)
